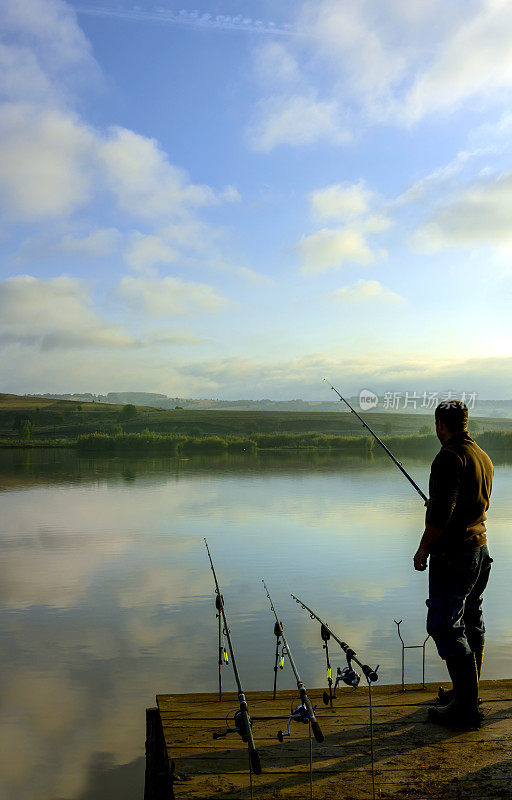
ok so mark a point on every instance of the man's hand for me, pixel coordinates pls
(420, 559)
(429, 537)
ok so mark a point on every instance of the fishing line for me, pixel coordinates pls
(243, 724)
(349, 675)
(390, 454)
(308, 713)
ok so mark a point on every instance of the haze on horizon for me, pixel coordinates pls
(237, 202)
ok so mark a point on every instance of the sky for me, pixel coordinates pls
(238, 199)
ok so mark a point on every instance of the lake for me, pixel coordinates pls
(108, 598)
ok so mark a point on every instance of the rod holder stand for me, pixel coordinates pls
(411, 647)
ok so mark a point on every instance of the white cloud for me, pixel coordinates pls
(493, 135)
(144, 182)
(230, 195)
(191, 234)
(172, 336)
(143, 252)
(341, 202)
(169, 296)
(275, 64)
(235, 377)
(295, 120)
(98, 243)
(480, 214)
(475, 60)
(46, 52)
(45, 166)
(439, 176)
(375, 223)
(366, 292)
(52, 164)
(246, 274)
(21, 75)
(355, 41)
(380, 369)
(332, 249)
(54, 313)
(383, 62)
(194, 19)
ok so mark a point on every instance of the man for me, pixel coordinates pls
(454, 538)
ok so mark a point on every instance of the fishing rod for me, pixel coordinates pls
(309, 715)
(223, 654)
(279, 659)
(328, 697)
(242, 720)
(390, 454)
(370, 674)
(349, 676)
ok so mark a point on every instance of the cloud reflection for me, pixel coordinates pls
(108, 597)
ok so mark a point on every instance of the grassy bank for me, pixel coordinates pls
(66, 419)
(154, 442)
(494, 442)
(103, 428)
(159, 443)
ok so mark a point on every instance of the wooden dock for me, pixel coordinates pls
(412, 757)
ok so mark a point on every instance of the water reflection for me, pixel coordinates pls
(107, 595)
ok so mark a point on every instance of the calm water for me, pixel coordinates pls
(107, 594)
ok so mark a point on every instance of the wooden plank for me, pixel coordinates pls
(410, 754)
(157, 784)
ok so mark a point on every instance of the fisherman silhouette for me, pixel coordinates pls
(456, 544)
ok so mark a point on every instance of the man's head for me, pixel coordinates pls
(451, 418)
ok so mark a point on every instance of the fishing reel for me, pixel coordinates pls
(240, 727)
(347, 675)
(299, 714)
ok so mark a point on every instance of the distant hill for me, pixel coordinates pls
(483, 408)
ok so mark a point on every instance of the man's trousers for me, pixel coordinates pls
(456, 585)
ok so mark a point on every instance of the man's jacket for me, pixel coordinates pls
(459, 491)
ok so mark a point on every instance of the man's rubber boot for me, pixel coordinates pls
(462, 712)
(445, 696)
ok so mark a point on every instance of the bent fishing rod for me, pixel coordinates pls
(315, 727)
(370, 674)
(390, 454)
(244, 726)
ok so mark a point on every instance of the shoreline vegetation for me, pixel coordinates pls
(106, 429)
(494, 442)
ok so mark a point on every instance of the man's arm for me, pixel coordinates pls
(427, 540)
(444, 486)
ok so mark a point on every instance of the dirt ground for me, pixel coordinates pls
(412, 757)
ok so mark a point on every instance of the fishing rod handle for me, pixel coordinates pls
(370, 673)
(253, 753)
(255, 761)
(317, 733)
(315, 727)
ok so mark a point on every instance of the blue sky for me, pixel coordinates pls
(238, 199)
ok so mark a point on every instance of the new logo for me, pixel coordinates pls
(367, 399)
